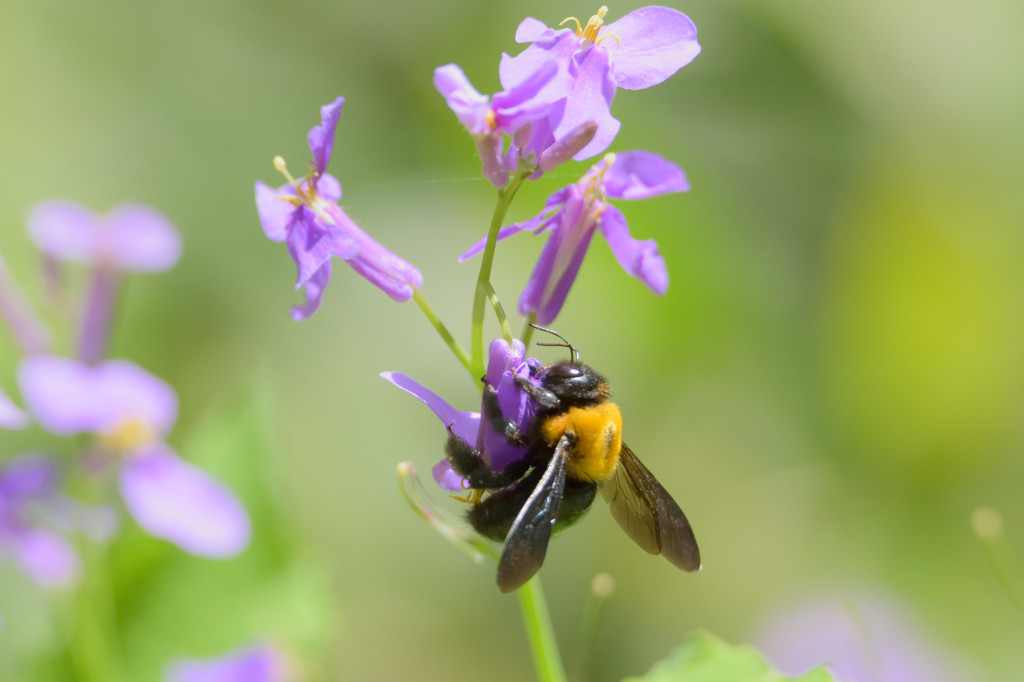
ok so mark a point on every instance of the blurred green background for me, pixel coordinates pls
(833, 382)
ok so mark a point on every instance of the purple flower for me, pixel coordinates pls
(131, 411)
(305, 215)
(639, 50)
(31, 509)
(573, 213)
(858, 639)
(518, 112)
(132, 237)
(254, 663)
(504, 364)
(10, 416)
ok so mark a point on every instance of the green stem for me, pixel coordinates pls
(528, 330)
(499, 312)
(90, 624)
(505, 197)
(541, 636)
(435, 320)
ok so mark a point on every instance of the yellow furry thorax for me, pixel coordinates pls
(596, 433)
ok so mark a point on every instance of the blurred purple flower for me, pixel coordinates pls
(504, 364)
(573, 213)
(858, 639)
(305, 215)
(10, 416)
(254, 663)
(639, 50)
(132, 237)
(132, 411)
(517, 112)
(32, 509)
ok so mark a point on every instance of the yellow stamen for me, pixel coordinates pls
(594, 188)
(579, 29)
(305, 190)
(590, 31)
(610, 35)
(472, 497)
(126, 436)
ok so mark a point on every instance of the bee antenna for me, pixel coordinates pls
(574, 354)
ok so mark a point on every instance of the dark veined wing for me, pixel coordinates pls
(648, 513)
(527, 539)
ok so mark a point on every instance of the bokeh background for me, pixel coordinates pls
(832, 384)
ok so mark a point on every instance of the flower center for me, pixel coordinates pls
(127, 435)
(594, 24)
(594, 189)
(305, 190)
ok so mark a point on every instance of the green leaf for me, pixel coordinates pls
(705, 658)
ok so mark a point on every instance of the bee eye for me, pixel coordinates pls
(564, 371)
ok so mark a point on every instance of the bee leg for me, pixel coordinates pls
(470, 463)
(545, 398)
(506, 427)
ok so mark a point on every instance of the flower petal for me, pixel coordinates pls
(590, 100)
(140, 238)
(60, 392)
(46, 557)
(559, 262)
(321, 137)
(310, 244)
(65, 230)
(390, 273)
(464, 424)
(328, 187)
(506, 366)
(123, 390)
(639, 258)
(555, 46)
(641, 174)
(275, 212)
(503, 233)
(470, 107)
(654, 43)
(28, 476)
(530, 29)
(314, 287)
(256, 663)
(174, 500)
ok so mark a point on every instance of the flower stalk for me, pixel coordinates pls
(539, 633)
(505, 197)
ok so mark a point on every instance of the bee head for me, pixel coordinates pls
(574, 383)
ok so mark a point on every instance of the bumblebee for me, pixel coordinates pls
(575, 447)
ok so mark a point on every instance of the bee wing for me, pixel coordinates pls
(648, 513)
(527, 539)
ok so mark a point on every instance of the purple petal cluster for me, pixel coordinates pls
(253, 663)
(305, 215)
(505, 363)
(557, 93)
(572, 215)
(131, 411)
(131, 238)
(33, 515)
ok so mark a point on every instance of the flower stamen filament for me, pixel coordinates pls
(305, 190)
